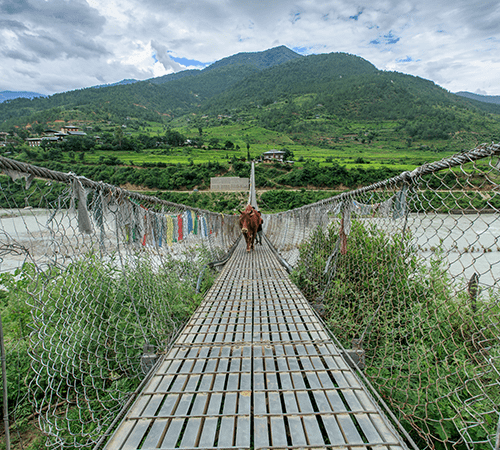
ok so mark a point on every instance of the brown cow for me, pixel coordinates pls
(249, 223)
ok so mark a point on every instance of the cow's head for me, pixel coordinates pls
(245, 217)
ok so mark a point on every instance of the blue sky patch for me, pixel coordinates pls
(295, 17)
(301, 50)
(356, 17)
(386, 39)
(187, 62)
(405, 60)
(390, 38)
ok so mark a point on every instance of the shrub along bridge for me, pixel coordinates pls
(403, 273)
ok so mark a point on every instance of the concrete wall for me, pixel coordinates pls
(229, 184)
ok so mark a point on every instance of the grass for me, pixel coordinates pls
(346, 144)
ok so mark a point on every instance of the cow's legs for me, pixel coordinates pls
(247, 240)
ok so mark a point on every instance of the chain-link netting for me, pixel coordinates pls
(407, 273)
(96, 282)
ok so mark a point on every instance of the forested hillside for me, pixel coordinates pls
(166, 96)
(346, 85)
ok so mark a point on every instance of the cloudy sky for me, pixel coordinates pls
(50, 46)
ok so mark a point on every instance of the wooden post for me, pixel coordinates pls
(4, 380)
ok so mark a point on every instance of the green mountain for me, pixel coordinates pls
(279, 87)
(11, 95)
(255, 60)
(480, 98)
(172, 95)
(260, 60)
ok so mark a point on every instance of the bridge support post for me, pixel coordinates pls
(355, 357)
(148, 358)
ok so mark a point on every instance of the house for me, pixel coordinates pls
(273, 155)
(3, 138)
(34, 142)
(52, 138)
(50, 132)
(53, 135)
(37, 141)
(68, 128)
(71, 130)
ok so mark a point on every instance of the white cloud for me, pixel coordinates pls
(57, 45)
(161, 54)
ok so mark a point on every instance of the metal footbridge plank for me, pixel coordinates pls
(254, 369)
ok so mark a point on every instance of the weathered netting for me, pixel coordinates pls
(110, 277)
(407, 272)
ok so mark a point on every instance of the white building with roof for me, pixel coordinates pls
(273, 155)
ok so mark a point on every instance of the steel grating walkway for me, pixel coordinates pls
(254, 369)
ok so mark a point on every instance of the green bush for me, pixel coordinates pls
(75, 335)
(431, 355)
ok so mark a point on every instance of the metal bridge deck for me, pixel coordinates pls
(254, 369)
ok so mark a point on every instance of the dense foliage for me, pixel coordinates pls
(418, 334)
(73, 313)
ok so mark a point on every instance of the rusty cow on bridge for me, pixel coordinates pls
(250, 220)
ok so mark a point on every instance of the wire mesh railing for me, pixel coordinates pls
(97, 280)
(407, 272)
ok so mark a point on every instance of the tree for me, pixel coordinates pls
(213, 142)
(288, 156)
(119, 136)
(38, 128)
(174, 138)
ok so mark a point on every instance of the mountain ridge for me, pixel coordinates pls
(259, 60)
(150, 94)
(346, 85)
(479, 97)
(11, 95)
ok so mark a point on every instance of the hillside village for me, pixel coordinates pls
(70, 131)
(55, 135)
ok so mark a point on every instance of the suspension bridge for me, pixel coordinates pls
(407, 287)
(254, 368)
